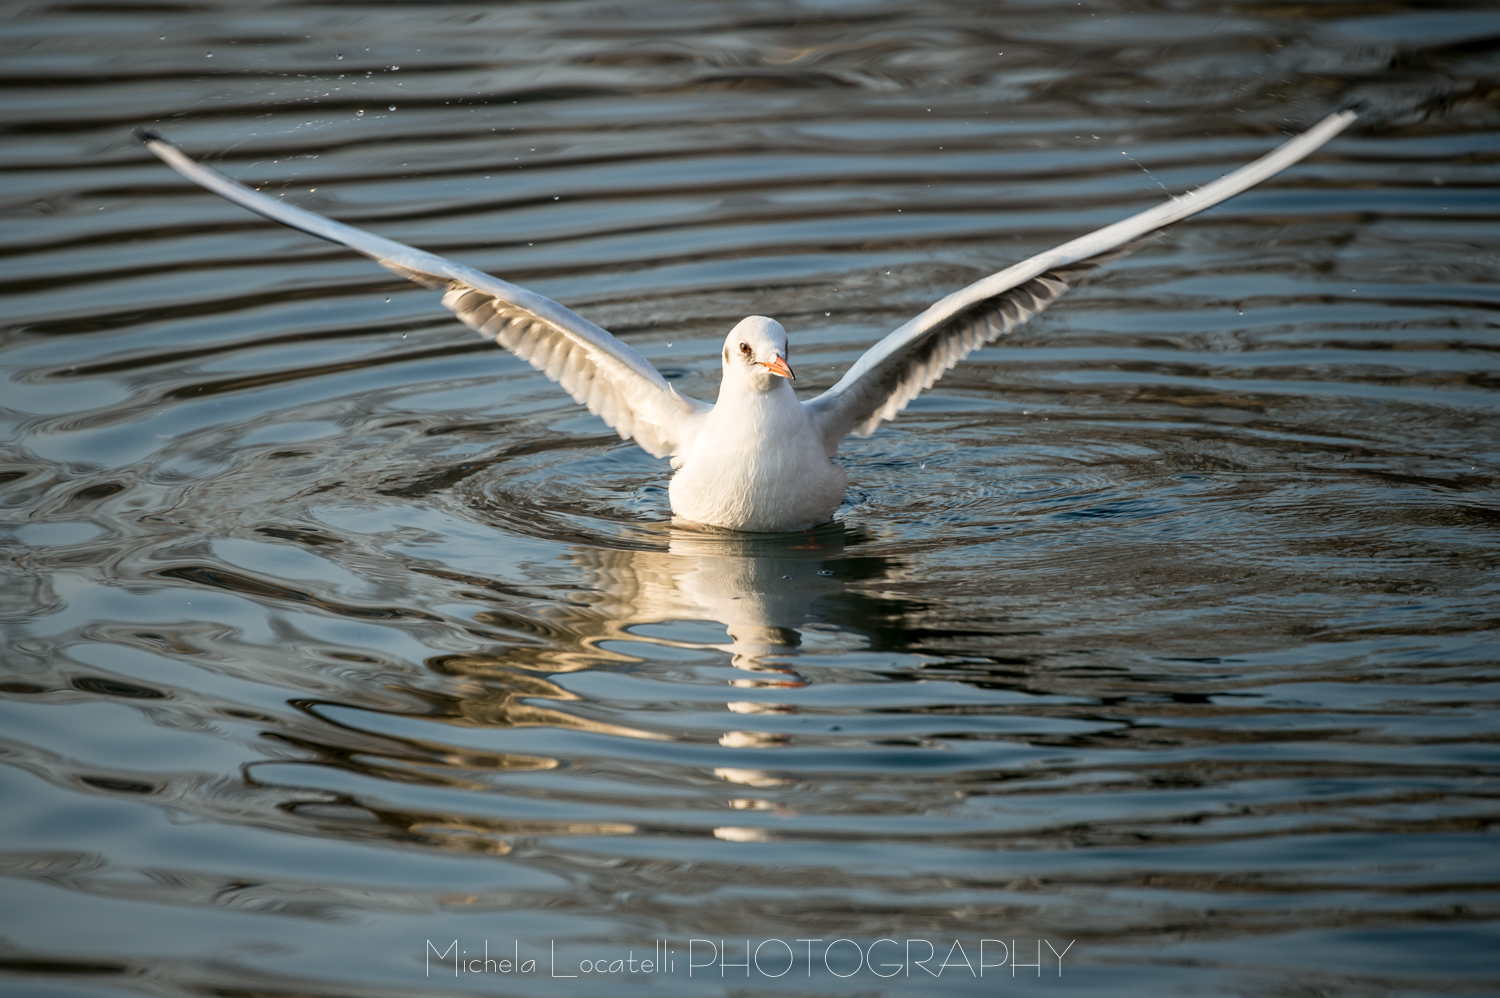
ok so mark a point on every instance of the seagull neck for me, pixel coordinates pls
(742, 390)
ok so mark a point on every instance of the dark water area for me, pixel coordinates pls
(1164, 629)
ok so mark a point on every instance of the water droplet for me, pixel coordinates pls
(393, 107)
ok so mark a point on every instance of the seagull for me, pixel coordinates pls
(758, 459)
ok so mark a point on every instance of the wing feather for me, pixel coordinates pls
(913, 357)
(598, 370)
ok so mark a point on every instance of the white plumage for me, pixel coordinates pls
(757, 459)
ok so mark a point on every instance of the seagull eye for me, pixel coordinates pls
(745, 349)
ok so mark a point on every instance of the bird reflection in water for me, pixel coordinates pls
(768, 592)
(764, 589)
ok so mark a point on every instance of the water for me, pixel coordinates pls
(1164, 629)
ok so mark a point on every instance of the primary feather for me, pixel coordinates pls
(912, 357)
(594, 367)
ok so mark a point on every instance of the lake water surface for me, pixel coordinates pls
(1164, 630)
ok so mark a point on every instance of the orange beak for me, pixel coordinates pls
(778, 366)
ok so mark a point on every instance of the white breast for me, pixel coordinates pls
(757, 463)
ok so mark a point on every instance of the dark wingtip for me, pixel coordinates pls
(147, 135)
(1359, 106)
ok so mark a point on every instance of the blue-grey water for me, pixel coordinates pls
(1162, 635)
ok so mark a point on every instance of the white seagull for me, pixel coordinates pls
(757, 459)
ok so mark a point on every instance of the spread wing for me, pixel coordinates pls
(598, 370)
(914, 356)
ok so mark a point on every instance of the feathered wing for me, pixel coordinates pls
(598, 370)
(913, 357)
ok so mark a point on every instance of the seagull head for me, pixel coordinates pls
(755, 354)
